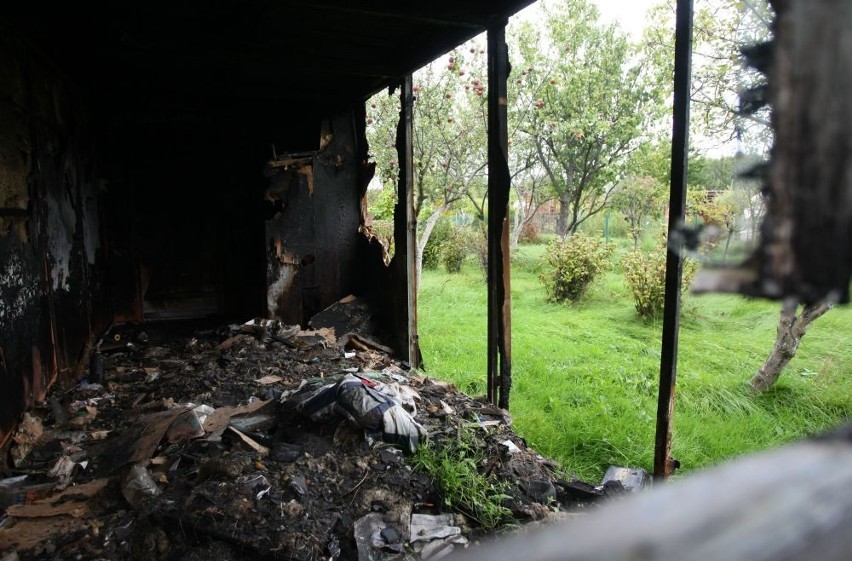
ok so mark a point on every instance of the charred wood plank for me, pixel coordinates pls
(805, 251)
(664, 465)
(499, 296)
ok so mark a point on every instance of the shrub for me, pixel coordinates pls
(645, 274)
(571, 266)
(461, 243)
(530, 233)
(454, 250)
(442, 231)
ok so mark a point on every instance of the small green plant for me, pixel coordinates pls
(381, 203)
(571, 266)
(454, 465)
(455, 250)
(645, 275)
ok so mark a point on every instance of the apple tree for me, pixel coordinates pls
(586, 98)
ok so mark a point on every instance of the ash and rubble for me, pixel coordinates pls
(189, 443)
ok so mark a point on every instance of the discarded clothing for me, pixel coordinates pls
(359, 401)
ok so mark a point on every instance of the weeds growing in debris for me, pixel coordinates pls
(585, 377)
(454, 464)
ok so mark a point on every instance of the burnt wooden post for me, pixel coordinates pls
(499, 295)
(405, 222)
(663, 463)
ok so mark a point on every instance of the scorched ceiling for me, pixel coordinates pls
(184, 59)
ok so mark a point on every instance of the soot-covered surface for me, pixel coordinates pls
(256, 479)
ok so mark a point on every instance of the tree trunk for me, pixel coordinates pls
(517, 224)
(791, 329)
(562, 221)
(428, 226)
(727, 246)
(634, 233)
(527, 215)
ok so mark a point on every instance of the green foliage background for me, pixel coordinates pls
(585, 376)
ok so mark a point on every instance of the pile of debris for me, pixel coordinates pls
(258, 441)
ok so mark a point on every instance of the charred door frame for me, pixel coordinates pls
(664, 465)
(499, 381)
(407, 218)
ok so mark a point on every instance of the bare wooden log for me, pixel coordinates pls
(791, 329)
(791, 504)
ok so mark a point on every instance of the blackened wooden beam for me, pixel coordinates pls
(664, 465)
(397, 13)
(499, 296)
(14, 212)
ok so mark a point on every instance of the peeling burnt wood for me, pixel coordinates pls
(348, 315)
(392, 15)
(811, 192)
(785, 505)
(664, 465)
(312, 243)
(123, 267)
(805, 250)
(499, 382)
(337, 52)
(402, 269)
(51, 270)
(286, 161)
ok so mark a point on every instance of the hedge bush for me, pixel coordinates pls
(645, 275)
(570, 266)
(530, 233)
(454, 250)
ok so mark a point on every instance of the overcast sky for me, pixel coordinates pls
(630, 14)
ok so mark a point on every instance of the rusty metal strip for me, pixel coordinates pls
(499, 296)
(664, 465)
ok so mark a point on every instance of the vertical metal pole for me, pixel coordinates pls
(499, 185)
(405, 197)
(664, 465)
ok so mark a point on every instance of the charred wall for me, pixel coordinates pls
(197, 228)
(117, 208)
(51, 253)
(185, 218)
(315, 252)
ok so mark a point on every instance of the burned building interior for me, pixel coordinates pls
(185, 269)
(135, 184)
(169, 163)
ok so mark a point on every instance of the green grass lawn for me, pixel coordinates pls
(585, 376)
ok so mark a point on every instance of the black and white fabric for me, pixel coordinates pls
(358, 400)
